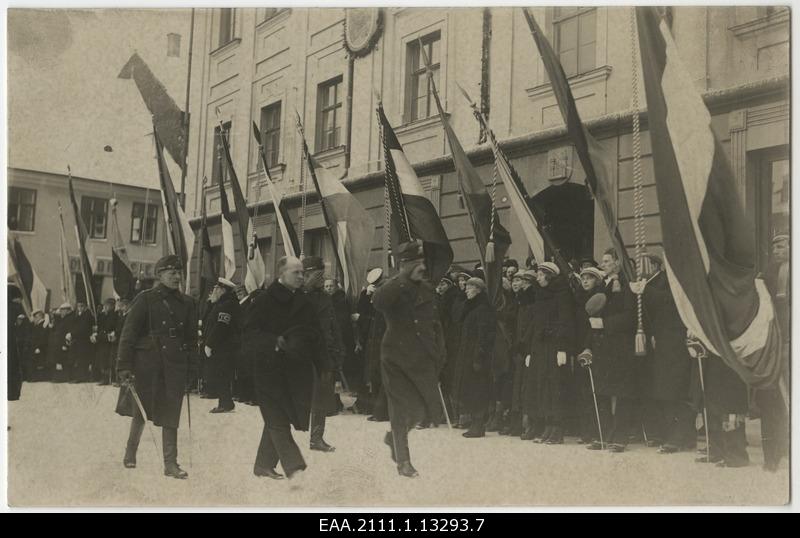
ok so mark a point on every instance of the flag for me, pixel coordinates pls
(349, 224)
(34, 292)
(180, 236)
(709, 250)
(493, 240)
(167, 116)
(291, 244)
(206, 270)
(255, 269)
(412, 213)
(86, 266)
(228, 248)
(590, 152)
(67, 288)
(122, 274)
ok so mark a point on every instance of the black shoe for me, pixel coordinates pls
(668, 448)
(220, 409)
(269, 473)
(556, 437)
(322, 446)
(471, 434)
(713, 459)
(652, 443)
(595, 445)
(173, 470)
(388, 439)
(406, 469)
(616, 447)
(373, 418)
(129, 461)
(548, 431)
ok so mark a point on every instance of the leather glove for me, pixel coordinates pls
(371, 289)
(527, 361)
(561, 358)
(207, 351)
(125, 377)
(93, 338)
(638, 286)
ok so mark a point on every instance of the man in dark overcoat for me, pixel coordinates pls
(14, 360)
(222, 343)
(156, 354)
(105, 343)
(38, 347)
(331, 355)
(282, 338)
(412, 351)
(81, 327)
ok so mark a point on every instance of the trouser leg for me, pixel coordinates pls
(169, 444)
(774, 426)
(317, 426)
(624, 417)
(224, 390)
(734, 446)
(135, 434)
(280, 445)
(267, 455)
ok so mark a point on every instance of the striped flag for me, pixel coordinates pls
(412, 213)
(255, 269)
(228, 248)
(492, 238)
(122, 274)
(590, 152)
(34, 292)
(180, 236)
(291, 244)
(206, 269)
(86, 266)
(709, 249)
(349, 224)
(65, 275)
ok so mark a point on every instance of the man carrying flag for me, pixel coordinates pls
(709, 252)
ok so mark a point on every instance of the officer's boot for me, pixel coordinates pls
(403, 456)
(496, 422)
(317, 431)
(169, 439)
(476, 428)
(137, 426)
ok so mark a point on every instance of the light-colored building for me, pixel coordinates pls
(264, 64)
(34, 198)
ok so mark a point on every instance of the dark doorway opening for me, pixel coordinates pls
(569, 217)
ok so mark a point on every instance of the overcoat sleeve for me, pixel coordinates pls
(135, 326)
(487, 332)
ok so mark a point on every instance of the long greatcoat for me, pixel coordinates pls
(331, 354)
(554, 330)
(14, 360)
(617, 374)
(524, 300)
(222, 335)
(158, 345)
(412, 350)
(479, 330)
(671, 363)
(283, 379)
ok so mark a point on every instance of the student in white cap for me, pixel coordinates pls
(222, 342)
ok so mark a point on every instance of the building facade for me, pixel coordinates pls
(34, 201)
(330, 67)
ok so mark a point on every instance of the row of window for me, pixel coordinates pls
(94, 212)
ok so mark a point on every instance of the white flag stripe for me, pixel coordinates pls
(228, 253)
(341, 228)
(755, 336)
(686, 309)
(409, 182)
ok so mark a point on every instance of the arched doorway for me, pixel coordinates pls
(568, 211)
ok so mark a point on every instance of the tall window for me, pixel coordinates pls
(227, 24)
(419, 95)
(94, 212)
(173, 45)
(329, 113)
(575, 31)
(219, 168)
(271, 132)
(21, 209)
(144, 226)
(270, 12)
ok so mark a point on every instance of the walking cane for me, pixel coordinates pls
(698, 351)
(189, 414)
(585, 358)
(444, 407)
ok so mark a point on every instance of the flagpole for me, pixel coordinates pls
(185, 166)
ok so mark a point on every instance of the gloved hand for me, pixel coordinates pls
(527, 361)
(476, 366)
(125, 377)
(93, 338)
(59, 367)
(371, 289)
(112, 337)
(281, 344)
(358, 347)
(638, 286)
(561, 358)
(36, 351)
(207, 351)
(68, 337)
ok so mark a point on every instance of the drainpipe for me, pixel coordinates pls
(351, 61)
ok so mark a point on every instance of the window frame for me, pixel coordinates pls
(91, 213)
(19, 205)
(226, 32)
(415, 69)
(145, 227)
(268, 132)
(321, 142)
(559, 19)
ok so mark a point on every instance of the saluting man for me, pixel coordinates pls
(412, 351)
(222, 341)
(155, 356)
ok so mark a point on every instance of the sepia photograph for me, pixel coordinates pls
(398, 257)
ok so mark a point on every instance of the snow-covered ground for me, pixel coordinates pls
(66, 446)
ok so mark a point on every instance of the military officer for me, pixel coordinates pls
(222, 341)
(324, 401)
(155, 357)
(412, 351)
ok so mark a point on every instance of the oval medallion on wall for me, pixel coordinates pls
(362, 29)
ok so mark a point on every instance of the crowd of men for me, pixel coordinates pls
(582, 356)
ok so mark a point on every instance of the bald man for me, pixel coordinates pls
(282, 339)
